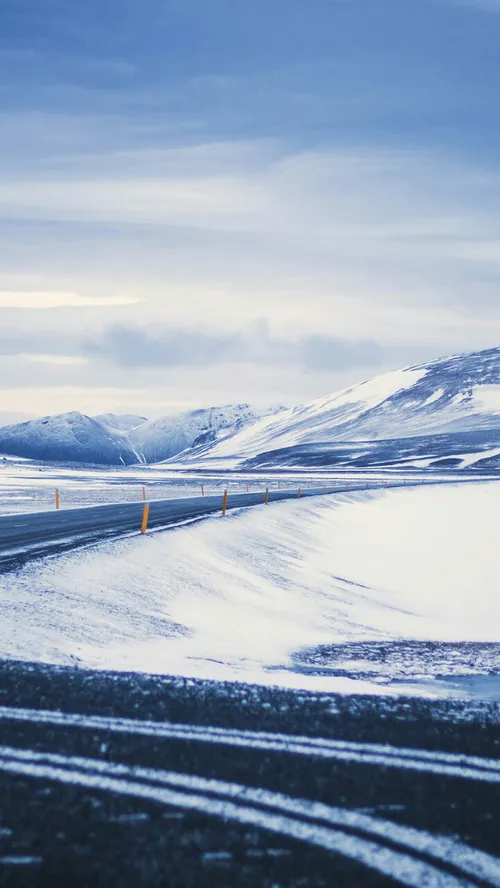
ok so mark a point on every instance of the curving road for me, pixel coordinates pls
(41, 532)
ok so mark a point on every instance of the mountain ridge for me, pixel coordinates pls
(455, 395)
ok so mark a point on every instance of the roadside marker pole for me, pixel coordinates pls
(246, 485)
(224, 502)
(202, 490)
(324, 490)
(347, 487)
(58, 499)
(298, 492)
(144, 494)
(266, 499)
(145, 518)
(278, 485)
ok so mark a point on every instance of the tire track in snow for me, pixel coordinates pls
(412, 857)
(440, 763)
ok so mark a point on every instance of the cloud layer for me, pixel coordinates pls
(132, 347)
(212, 206)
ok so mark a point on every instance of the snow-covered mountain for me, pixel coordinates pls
(68, 437)
(111, 439)
(448, 409)
(456, 394)
(194, 430)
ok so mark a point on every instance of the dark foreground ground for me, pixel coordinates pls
(147, 794)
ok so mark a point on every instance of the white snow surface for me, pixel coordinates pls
(236, 597)
(488, 398)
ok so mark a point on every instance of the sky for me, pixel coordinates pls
(205, 202)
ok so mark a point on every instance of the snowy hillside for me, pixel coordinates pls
(456, 394)
(68, 437)
(166, 437)
(455, 450)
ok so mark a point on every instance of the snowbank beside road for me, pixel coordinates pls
(239, 596)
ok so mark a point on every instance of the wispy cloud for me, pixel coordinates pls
(58, 360)
(46, 300)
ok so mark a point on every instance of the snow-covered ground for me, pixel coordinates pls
(27, 486)
(297, 593)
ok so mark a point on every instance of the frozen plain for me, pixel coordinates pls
(358, 592)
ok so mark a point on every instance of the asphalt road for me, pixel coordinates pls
(42, 532)
(111, 779)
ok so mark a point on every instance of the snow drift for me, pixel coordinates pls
(272, 589)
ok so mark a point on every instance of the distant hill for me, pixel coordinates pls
(68, 437)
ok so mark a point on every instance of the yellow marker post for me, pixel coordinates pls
(145, 518)
(58, 499)
(144, 494)
(224, 503)
(266, 499)
(298, 492)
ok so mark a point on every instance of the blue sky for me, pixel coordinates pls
(204, 201)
